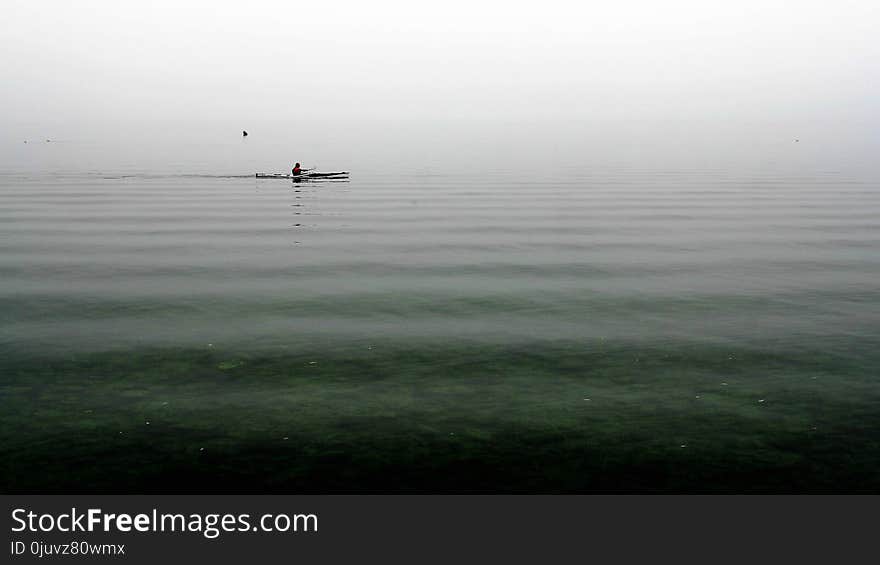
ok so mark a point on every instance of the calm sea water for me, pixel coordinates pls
(567, 328)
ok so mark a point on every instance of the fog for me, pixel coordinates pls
(786, 69)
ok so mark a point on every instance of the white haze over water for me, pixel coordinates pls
(168, 86)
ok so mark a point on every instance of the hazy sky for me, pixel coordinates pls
(113, 60)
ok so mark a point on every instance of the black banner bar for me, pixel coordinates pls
(414, 529)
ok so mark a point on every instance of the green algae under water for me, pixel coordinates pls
(556, 417)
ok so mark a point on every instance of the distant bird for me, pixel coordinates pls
(797, 140)
(48, 141)
(244, 133)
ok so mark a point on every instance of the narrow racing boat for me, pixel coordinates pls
(305, 175)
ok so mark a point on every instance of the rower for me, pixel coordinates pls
(296, 170)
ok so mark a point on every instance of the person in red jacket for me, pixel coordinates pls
(296, 170)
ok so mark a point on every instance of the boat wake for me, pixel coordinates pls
(176, 176)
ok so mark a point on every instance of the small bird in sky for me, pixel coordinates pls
(244, 133)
